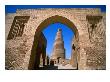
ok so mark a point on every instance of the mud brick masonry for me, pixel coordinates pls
(26, 45)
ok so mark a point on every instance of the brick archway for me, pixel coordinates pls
(24, 28)
(51, 20)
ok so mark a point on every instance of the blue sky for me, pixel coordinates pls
(51, 30)
(50, 34)
(13, 8)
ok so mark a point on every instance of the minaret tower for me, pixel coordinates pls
(58, 50)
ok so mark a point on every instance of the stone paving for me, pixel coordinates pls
(58, 67)
(68, 66)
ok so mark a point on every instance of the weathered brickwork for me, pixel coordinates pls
(88, 25)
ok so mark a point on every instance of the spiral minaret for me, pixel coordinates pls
(58, 50)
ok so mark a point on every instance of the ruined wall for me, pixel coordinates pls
(96, 58)
(74, 53)
(21, 46)
(16, 47)
(93, 53)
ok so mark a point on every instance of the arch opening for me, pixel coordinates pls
(39, 47)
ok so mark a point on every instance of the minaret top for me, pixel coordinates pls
(59, 29)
